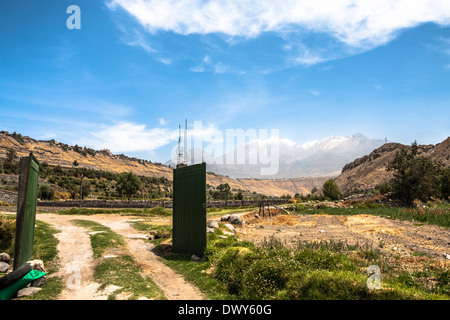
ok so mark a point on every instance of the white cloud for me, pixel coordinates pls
(355, 23)
(127, 137)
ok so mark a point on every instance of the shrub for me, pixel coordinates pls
(7, 232)
(231, 267)
(326, 285)
(331, 190)
(46, 192)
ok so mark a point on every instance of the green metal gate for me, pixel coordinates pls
(26, 210)
(189, 209)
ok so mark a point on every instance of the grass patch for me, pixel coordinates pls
(157, 211)
(120, 271)
(162, 232)
(45, 249)
(103, 239)
(216, 212)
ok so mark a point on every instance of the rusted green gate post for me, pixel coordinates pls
(26, 210)
(189, 209)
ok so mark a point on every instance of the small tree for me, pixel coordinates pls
(128, 184)
(331, 190)
(224, 191)
(415, 177)
(10, 165)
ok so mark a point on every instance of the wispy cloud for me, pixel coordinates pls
(135, 38)
(356, 23)
(207, 65)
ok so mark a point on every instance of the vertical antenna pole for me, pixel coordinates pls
(185, 145)
(179, 142)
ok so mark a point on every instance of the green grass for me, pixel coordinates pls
(120, 271)
(102, 241)
(157, 211)
(45, 249)
(217, 212)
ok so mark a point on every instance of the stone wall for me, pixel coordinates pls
(151, 204)
(8, 196)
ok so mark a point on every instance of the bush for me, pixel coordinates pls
(331, 190)
(46, 192)
(7, 233)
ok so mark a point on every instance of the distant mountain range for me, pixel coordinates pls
(317, 158)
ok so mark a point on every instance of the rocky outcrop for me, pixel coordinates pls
(367, 172)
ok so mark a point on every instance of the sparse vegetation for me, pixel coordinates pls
(101, 184)
(233, 269)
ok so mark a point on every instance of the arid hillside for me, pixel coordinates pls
(369, 171)
(57, 153)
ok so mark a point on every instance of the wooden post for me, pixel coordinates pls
(81, 190)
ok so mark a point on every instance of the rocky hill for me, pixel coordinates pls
(57, 153)
(369, 171)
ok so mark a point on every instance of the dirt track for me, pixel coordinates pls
(75, 251)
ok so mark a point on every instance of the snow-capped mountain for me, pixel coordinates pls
(324, 157)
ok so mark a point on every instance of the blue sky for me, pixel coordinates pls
(137, 69)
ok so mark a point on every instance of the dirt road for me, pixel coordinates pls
(77, 263)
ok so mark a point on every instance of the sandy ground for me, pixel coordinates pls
(403, 238)
(77, 261)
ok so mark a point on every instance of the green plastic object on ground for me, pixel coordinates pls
(11, 291)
